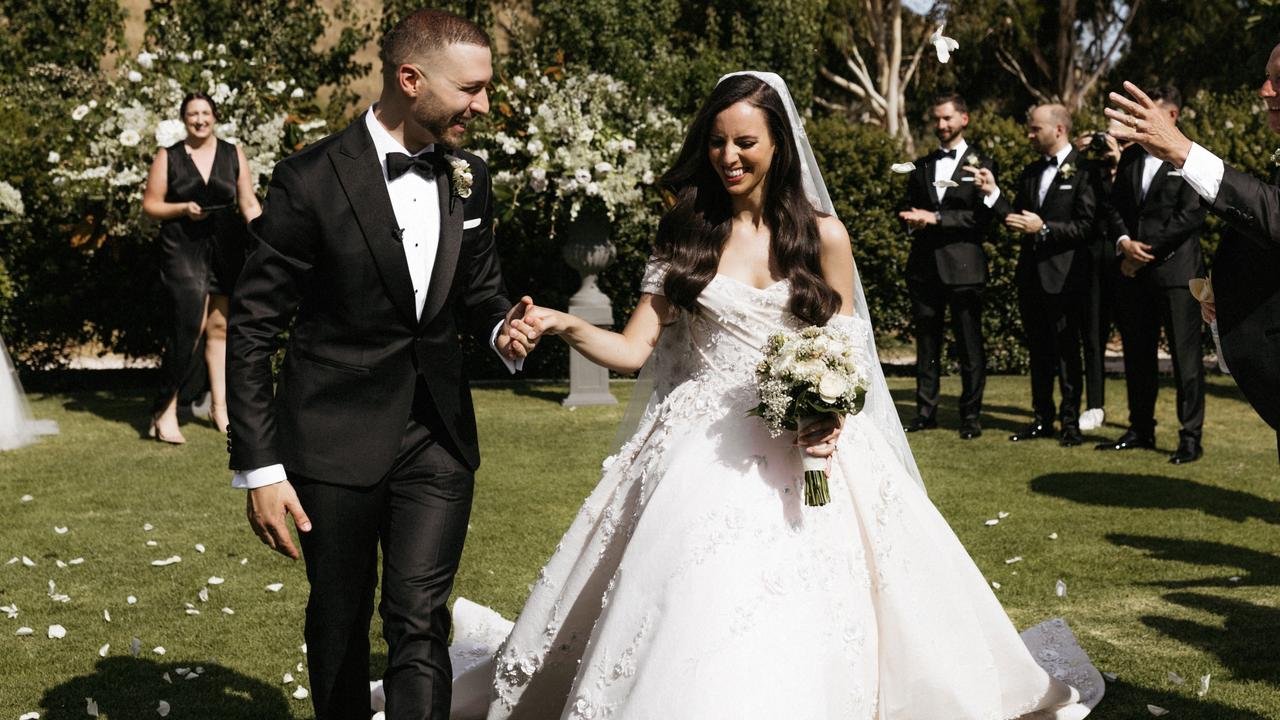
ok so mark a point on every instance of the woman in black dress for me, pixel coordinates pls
(202, 192)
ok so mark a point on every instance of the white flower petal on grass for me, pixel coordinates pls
(200, 547)
(163, 709)
(298, 667)
(59, 563)
(228, 611)
(1204, 686)
(1002, 514)
(102, 651)
(24, 631)
(1157, 710)
(166, 678)
(148, 527)
(106, 615)
(131, 600)
(203, 595)
(1175, 678)
(1111, 677)
(1234, 578)
(303, 648)
(135, 647)
(902, 168)
(159, 650)
(57, 632)
(945, 183)
(300, 693)
(942, 44)
(167, 561)
(10, 610)
(1060, 589)
(28, 561)
(90, 707)
(76, 561)
(995, 584)
(991, 522)
(1053, 536)
(244, 561)
(29, 716)
(287, 679)
(275, 587)
(60, 529)
(1014, 559)
(152, 543)
(215, 580)
(27, 498)
(192, 611)
(12, 560)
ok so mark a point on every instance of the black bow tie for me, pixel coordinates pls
(946, 154)
(1051, 161)
(426, 164)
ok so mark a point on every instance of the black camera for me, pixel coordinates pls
(1098, 143)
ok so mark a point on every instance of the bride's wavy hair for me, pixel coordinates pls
(692, 233)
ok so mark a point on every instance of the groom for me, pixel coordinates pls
(374, 243)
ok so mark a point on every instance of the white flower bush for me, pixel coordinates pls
(116, 135)
(576, 138)
(11, 206)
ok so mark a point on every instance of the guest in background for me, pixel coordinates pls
(1103, 153)
(948, 221)
(201, 191)
(1054, 211)
(1158, 245)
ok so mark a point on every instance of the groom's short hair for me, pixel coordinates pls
(955, 98)
(422, 32)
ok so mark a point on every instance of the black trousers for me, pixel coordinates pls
(1097, 325)
(929, 301)
(1143, 309)
(1053, 326)
(418, 513)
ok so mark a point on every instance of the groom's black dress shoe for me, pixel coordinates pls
(1071, 436)
(970, 429)
(1189, 451)
(1033, 431)
(1130, 440)
(921, 422)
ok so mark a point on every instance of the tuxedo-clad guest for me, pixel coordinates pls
(1159, 247)
(1054, 211)
(1103, 154)
(948, 220)
(1246, 268)
(377, 244)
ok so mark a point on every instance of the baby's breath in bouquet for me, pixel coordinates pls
(804, 376)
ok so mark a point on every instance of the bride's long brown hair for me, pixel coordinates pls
(692, 234)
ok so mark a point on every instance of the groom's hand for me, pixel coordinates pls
(266, 507)
(517, 339)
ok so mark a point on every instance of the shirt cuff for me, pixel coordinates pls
(990, 200)
(513, 366)
(1203, 171)
(1119, 240)
(259, 477)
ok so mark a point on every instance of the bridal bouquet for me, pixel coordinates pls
(804, 376)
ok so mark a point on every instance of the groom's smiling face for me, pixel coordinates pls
(452, 86)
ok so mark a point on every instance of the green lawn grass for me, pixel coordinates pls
(1147, 550)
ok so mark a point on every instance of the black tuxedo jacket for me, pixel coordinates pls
(329, 260)
(1169, 218)
(1246, 285)
(1060, 262)
(954, 245)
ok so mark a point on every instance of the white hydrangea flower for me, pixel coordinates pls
(54, 157)
(129, 138)
(297, 93)
(182, 57)
(277, 86)
(169, 132)
(146, 60)
(134, 76)
(197, 55)
(79, 113)
(582, 175)
(519, 82)
(11, 200)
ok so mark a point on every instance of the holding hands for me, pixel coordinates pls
(517, 339)
(1025, 221)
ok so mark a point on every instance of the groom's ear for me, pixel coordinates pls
(408, 76)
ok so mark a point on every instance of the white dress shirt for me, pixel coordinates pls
(1150, 166)
(415, 200)
(1050, 171)
(945, 167)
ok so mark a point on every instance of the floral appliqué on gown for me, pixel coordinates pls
(694, 583)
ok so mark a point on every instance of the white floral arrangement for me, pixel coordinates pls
(576, 138)
(115, 135)
(804, 376)
(10, 203)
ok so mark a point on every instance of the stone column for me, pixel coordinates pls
(587, 249)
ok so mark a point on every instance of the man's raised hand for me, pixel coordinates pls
(1140, 120)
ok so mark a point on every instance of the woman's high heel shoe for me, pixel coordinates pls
(154, 433)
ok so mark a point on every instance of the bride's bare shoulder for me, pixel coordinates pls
(834, 236)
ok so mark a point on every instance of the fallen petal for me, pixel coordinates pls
(131, 600)
(228, 611)
(1176, 678)
(167, 679)
(102, 651)
(26, 498)
(1204, 686)
(1002, 514)
(991, 522)
(203, 595)
(215, 580)
(299, 667)
(106, 615)
(30, 715)
(995, 584)
(57, 632)
(152, 543)
(28, 561)
(163, 709)
(1014, 559)
(1157, 710)
(288, 678)
(244, 561)
(25, 631)
(12, 560)
(192, 611)
(275, 587)
(10, 610)
(148, 527)
(1234, 578)
(90, 707)
(75, 561)
(902, 168)
(300, 693)
(1060, 589)
(1111, 677)
(158, 650)
(167, 561)
(59, 563)
(1053, 536)
(135, 646)
(303, 648)
(199, 547)
(60, 529)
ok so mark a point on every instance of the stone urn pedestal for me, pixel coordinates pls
(587, 250)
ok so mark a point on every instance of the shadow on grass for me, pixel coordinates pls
(537, 392)
(1257, 568)
(1129, 702)
(127, 407)
(1242, 640)
(1127, 490)
(128, 687)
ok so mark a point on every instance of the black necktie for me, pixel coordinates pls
(426, 164)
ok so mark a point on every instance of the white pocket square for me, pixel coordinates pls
(1065, 187)
(1175, 173)
(468, 224)
(967, 178)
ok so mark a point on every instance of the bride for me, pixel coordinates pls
(694, 583)
(17, 428)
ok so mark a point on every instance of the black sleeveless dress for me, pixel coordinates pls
(197, 258)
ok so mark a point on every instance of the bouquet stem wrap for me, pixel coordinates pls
(816, 492)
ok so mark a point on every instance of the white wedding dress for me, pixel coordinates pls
(17, 428)
(695, 584)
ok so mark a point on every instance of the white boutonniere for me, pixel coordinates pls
(461, 178)
(1066, 171)
(1275, 157)
(973, 159)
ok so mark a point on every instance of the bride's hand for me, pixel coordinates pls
(819, 439)
(545, 321)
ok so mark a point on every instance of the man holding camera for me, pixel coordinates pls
(1158, 243)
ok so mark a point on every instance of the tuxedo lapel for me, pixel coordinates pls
(1157, 180)
(930, 166)
(359, 171)
(451, 216)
